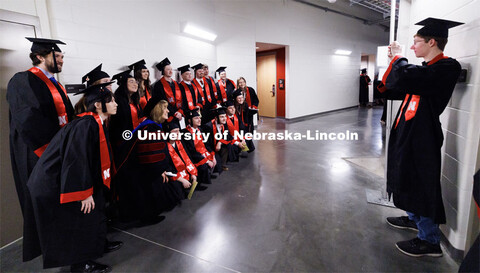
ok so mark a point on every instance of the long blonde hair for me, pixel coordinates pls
(158, 111)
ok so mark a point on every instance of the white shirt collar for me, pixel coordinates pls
(48, 74)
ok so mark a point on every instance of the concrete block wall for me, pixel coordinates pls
(461, 118)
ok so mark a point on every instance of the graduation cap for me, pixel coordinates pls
(434, 27)
(171, 126)
(41, 44)
(221, 69)
(152, 102)
(122, 76)
(97, 92)
(94, 75)
(138, 65)
(237, 93)
(363, 70)
(44, 44)
(229, 103)
(198, 66)
(161, 65)
(219, 109)
(193, 114)
(184, 68)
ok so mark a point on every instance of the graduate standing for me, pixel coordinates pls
(168, 89)
(38, 108)
(363, 91)
(192, 98)
(208, 95)
(414, 157)
(225, 86)
(245, 115)
(96, 76)
(142, 75)
(212, 85)
(67, 184)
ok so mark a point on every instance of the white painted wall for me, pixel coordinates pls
(118, 33)
(461, 119)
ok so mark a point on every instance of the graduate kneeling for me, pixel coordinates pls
(67, 186)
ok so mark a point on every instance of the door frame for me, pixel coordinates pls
(267, 53)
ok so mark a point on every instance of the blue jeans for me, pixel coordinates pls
(427, 229)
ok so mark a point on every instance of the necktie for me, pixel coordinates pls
(53, 80)
(201, 82)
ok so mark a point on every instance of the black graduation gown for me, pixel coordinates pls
(246, 116)
(196, 101)
(363, 93)
(158, 90)
(234, 151)
(33, 123)
(144, 195)
(70, 166)
(229, 88)
(414, 158)
(204, 171)
(210, 144)
(207, 113)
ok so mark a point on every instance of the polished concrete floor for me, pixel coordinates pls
(292, 206)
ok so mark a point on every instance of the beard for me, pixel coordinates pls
(53, 68)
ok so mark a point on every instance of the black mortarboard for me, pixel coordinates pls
(44, 44)
(219, 109)
(237, 93)
(161, 65)
(229, 103)
(122, 76)
(96, 93)
(94, 75)
(197, 66)
(193, 114)
(184, 68)
(221, 69)
(434, 27)
(138, 65)
(363, 70)
(171, 125)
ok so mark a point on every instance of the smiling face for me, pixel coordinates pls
(168, 71)
(223, 75)
(111, 107)
(145, 74)
(132, 85)
(196, 121)
(187, 76)
(242, 83)
(50, 64)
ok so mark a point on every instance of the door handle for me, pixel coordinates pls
(273, 90)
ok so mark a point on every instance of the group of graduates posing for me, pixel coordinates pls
(72, 164)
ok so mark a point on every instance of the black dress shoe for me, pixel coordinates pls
(151, 221)
(200, 188)
(90, 267)
(111, 246)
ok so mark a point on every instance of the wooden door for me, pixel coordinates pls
(266, 79)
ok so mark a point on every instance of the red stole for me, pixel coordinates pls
(182, 162)
(134, 114)
(104, 154)
(415, 101)
(57, 98)
(248, 99)
(144, 99)
(214, 127)
(213, 85)
(233, 127)
(188, 94)
(200, 147)
(173, 99)
(200, 90)
(222, 90)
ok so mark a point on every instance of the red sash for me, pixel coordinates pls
(57, 98)
(104, 154)
(214, 126)
(207, 90)
(144, 99)
(200, 147)
(188, 94)
(222, 90)
(173, 99)
(213, 85)
(415, 101)
(248, 99)
(134, 114)
(233, 127)
(182, 162)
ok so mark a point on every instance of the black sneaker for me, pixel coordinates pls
(402, 222)
(419, 248)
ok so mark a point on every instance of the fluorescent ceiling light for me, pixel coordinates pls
(198, 32)
(343, 52)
